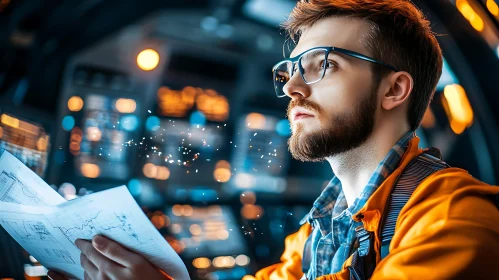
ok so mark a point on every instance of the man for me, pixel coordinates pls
(360, 80)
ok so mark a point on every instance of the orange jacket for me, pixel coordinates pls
(448, 229)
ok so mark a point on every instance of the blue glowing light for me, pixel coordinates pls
(68, 122)
(152, 123)
(135, 187)
(447, 78)
(283, 128)
(129, 122)
(198, 118)
(203, 195)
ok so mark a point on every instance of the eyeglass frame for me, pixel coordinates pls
(328, 50)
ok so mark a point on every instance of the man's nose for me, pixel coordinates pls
(296, 88)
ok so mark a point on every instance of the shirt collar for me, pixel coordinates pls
(333, 202)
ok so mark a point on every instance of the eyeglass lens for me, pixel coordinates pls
(312, 66)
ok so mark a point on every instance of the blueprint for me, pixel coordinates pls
(32, 190)
(48, 230)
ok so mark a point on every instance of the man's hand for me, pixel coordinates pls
(105, 259)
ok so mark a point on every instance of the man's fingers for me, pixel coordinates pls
(89, 267)
(98, 259)
(115, 251)
(56, 276)
(87, 277)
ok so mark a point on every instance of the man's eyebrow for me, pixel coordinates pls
(314, 54)
(341, 56)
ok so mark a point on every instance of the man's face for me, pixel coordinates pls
(336, 114)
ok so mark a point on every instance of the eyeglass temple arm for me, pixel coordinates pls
(363, 57)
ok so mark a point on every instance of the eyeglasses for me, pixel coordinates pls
(312, 65)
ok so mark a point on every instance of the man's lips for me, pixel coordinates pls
(300, 116)
(301, 113)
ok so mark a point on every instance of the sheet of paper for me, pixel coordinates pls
(19, 184)
(49, 232)
(47, 225)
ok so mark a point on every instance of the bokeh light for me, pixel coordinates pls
(148, 59)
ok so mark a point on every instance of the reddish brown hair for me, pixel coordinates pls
(400, 35)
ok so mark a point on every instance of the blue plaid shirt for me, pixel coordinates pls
(333, 237)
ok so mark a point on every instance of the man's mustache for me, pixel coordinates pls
(306, 104)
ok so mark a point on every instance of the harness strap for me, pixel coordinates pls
(416, 171)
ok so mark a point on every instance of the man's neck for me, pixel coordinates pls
(355, 167)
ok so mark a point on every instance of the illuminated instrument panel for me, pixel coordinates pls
(102, 114)
(26, 140)
(209, 239)
(260, 154)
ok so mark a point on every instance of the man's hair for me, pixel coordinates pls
(399, 35)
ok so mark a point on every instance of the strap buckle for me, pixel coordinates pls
(365, 240)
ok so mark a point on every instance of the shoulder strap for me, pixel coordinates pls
(416, 171)
(422, 166)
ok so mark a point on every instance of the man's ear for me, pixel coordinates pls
(398, 88)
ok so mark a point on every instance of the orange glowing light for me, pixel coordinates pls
(74, 146)
(223, 164)
(158, 221)
(77, 131)
(255, 121)
(125, 105)
(248, 197)
(75, 104)
(492, 7)
(222, 175)
(178, 210)
(201, 263)
(222, 234)
(76, 138)
(188, 211)
(251, 212)
(457, 107)
(94, 134)
(195, 229)
(150, 170)
(90, 170)
(10, 121)
(148, 59)
(470, 14)
(163, 173)
(42, 143)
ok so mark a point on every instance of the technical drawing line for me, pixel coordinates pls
(86, 223)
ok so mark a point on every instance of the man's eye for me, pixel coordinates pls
(327, 64)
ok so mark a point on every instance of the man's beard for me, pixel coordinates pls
(347, 130)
